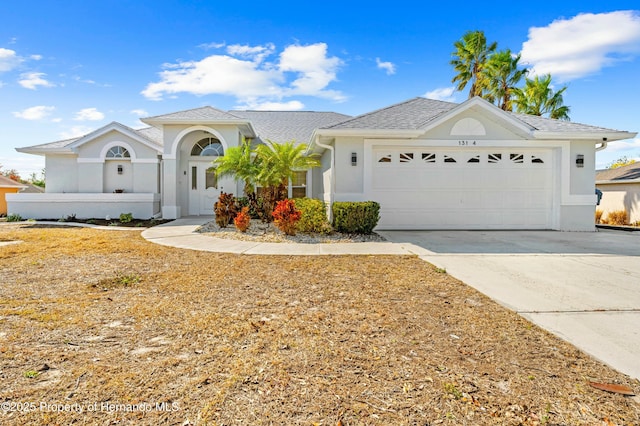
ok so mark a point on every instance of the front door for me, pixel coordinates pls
(205, 187)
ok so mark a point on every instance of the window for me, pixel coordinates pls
(385, 158)
(210, 179)
(118, 152)
(406, 157)
(474, 159)
(299, 185)
(207, 147)
(194, 177)
(517, 158)
(448, 159)
(536, 160)
(495, 158)
(428, 157)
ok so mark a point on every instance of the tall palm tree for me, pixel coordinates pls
(469, 58)
(239, 162)
(503, 74)
(537, 97)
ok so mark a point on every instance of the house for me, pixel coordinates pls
(430, 164)
(620, 190)
(7, 186)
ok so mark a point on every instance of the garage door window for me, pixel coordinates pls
(428, 157)
(406, 157)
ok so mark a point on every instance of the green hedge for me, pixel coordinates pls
(314, 216)
(355, 217)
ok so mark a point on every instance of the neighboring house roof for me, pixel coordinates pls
(625, 174)
(285, 126)
(31, 189)
(5, 182)
(418, 113)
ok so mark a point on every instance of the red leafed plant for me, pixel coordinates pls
(242, 220)
(286, 216)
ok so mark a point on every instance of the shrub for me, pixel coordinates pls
(617, 217)
(314, 216)
(599, 215)
(14, 218)
(225, 209)
(126, 217)
(286, 216)
(355, 217)
(242, 219)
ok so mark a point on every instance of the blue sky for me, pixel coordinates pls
(69, 67)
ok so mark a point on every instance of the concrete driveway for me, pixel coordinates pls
(584, 287)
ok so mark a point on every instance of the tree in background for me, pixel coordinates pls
(537, 97)
(621, 162)
(469, 59)
(495, 76)
(503, 74)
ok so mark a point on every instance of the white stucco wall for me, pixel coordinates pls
(62, 173)
(349, 178)
(84, 206)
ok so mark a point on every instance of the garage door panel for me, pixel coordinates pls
(498, 189)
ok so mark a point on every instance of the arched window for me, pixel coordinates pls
(207, 147)
(118, 152)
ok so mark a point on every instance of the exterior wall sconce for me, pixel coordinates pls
(120, 169)
(354, 159)
(580, 160)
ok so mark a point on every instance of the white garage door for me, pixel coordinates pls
(425, 188)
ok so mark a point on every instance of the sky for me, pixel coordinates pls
(70, 67)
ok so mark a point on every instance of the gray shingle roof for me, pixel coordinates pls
(408, 115)
(206, 113)
(152, 133)
(52, 145)
(415, 113)
(628, 172)
(284, 126)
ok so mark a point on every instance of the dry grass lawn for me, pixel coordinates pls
(133, 333)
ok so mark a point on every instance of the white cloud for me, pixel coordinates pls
(441, 94)
(582, 45)
(75, 132)
(273, 106)
(88, 114)
(35, 113)
(139, 112)
(214, 45)
(244, 74)
(9, 59)
(256, 53)
(36, 57)
(32, 80)
(389, 67)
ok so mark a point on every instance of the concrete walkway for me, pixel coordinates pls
(180, 233)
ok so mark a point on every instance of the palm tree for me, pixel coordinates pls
(502, 76)
(278, 163)
(537, 97)
(469, 59)
(239, 162)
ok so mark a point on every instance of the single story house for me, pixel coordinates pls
(8, 186)
(620, 190)
(430, 164)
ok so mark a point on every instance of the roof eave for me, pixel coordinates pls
(595, 136)
(44, 151)
(616, 181)
(246, 125)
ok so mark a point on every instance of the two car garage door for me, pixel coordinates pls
(433, 188)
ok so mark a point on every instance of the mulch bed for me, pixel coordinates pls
(134, 333)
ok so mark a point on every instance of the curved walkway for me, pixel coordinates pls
(180, 233)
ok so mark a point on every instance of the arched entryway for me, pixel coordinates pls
(204, 186)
